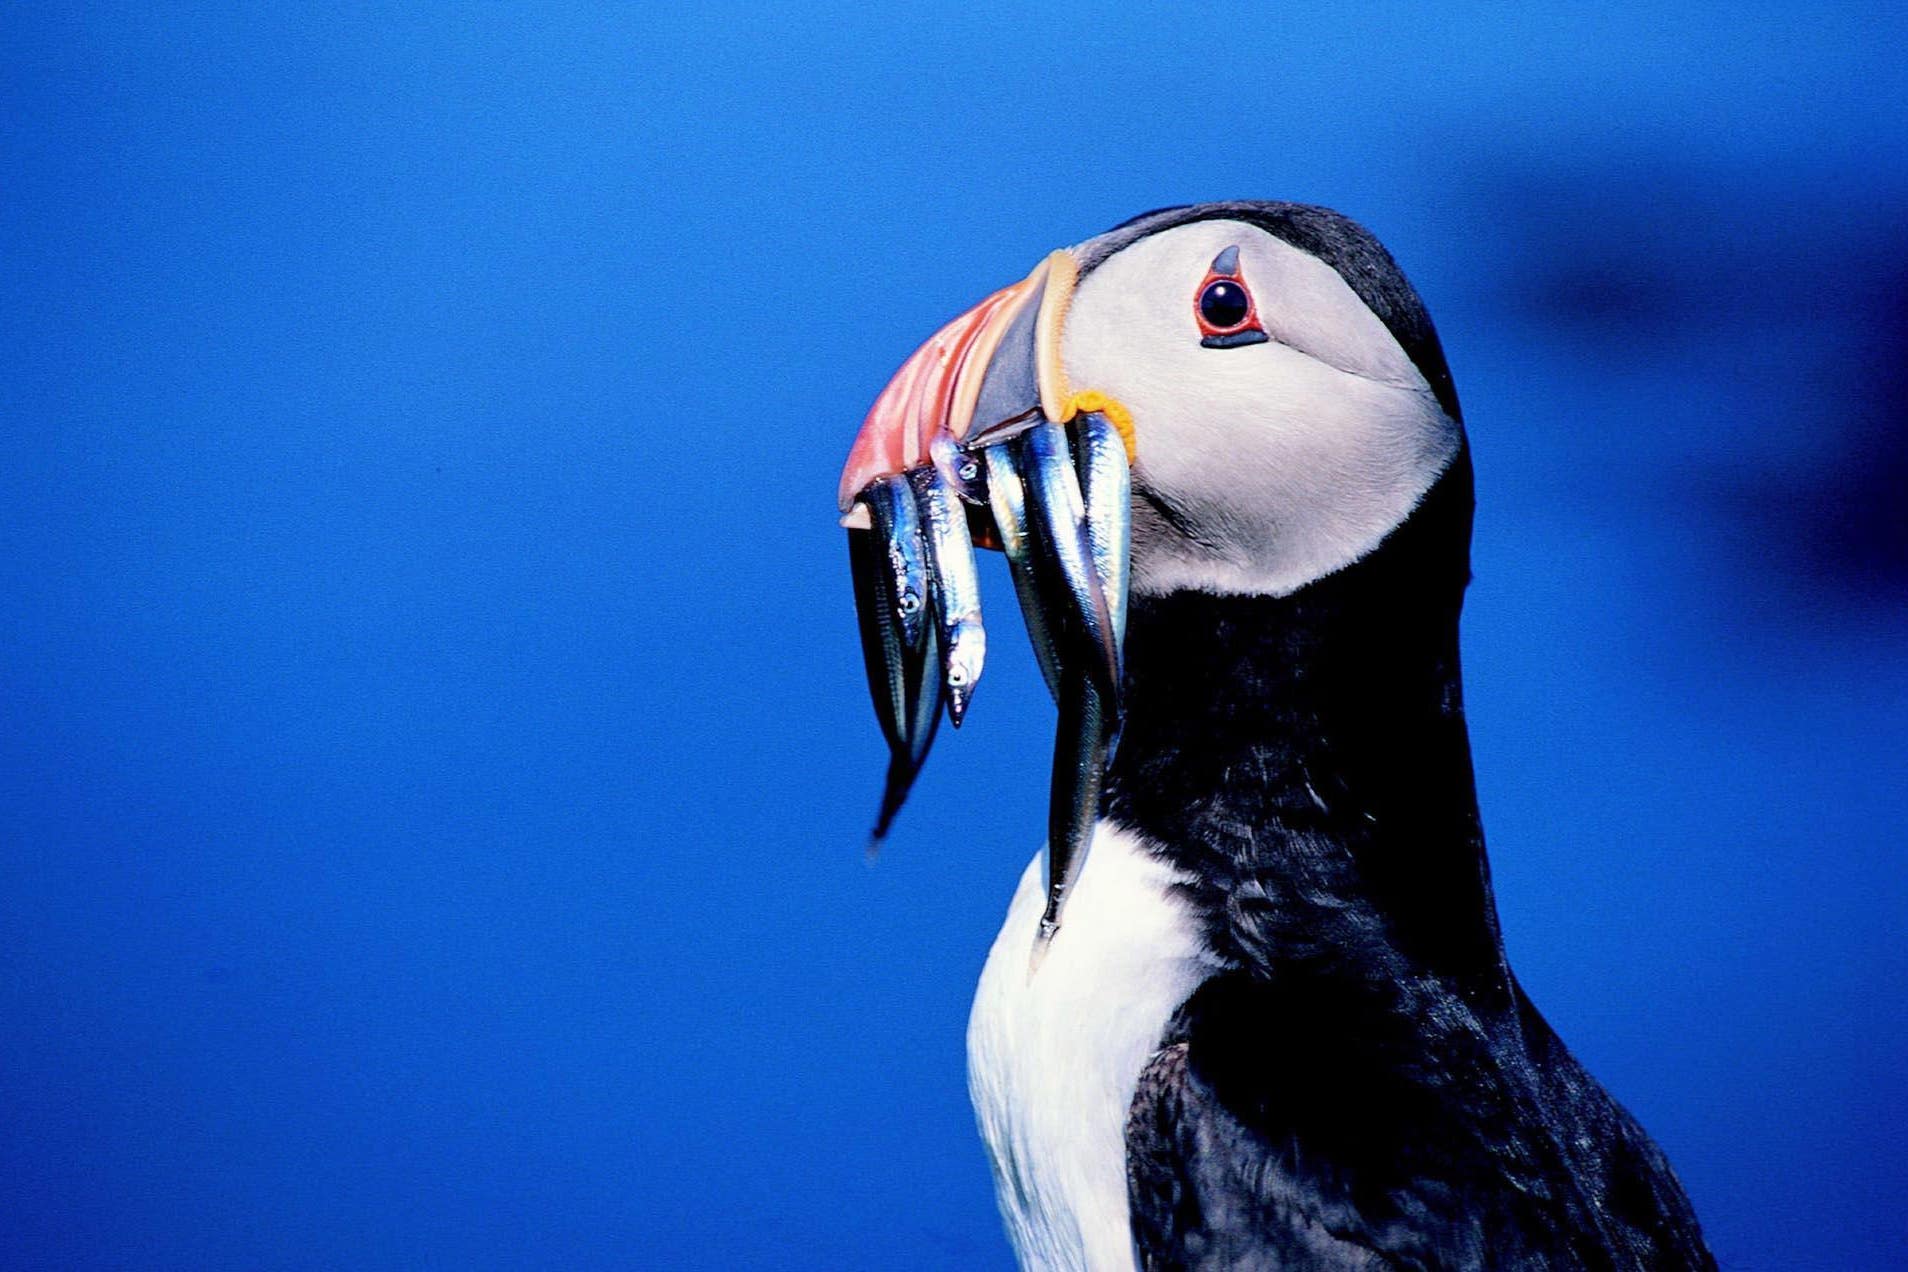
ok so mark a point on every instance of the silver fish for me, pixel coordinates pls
(1069, 583)
(890, 501)
(1007, 499)
(894, 592)
(1080, 745)
(957, 588)
(1106, 487)
(880, 634)
(961, 469)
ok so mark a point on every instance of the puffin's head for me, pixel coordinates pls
(1286, 395)
(1266, 370)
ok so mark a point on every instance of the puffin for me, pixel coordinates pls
(1250, 1006)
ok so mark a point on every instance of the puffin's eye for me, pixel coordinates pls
(1223, 305)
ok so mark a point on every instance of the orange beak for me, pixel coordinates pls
(935, 393)
(970, 444)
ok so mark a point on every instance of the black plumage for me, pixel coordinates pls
(1367, 1086)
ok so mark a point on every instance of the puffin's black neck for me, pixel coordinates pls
(1304, 759)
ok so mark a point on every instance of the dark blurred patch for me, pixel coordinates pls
(1623, 252)
(1793, 300)
(1844, 520)
(1605, 295)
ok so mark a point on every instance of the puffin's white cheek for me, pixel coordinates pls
(1278, 468)
(1231, 431)
(1274, 463)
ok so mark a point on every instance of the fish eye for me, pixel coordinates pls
(1223, 305)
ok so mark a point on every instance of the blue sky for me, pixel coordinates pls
(434, 762)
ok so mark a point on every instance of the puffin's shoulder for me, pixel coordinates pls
(1331, 1119)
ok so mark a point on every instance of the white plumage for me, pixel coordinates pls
(1053, 1056)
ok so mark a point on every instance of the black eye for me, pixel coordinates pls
(1224, 304)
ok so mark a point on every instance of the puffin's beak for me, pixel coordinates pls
(979, 436)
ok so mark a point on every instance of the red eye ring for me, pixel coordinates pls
(1223, 306)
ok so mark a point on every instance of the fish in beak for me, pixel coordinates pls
(979, 438)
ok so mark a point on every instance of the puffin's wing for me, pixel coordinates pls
(1206, 1192)
(1403, 1142)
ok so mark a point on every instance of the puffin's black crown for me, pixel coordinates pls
(1348, 247)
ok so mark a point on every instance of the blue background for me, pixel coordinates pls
(434, 760)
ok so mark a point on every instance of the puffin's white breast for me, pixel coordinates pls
(1053, 1057)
